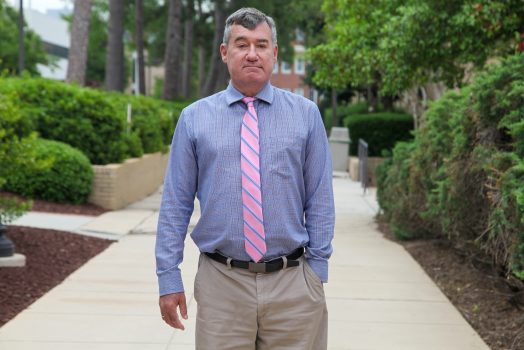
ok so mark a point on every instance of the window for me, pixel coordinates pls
(286, 68)
(299, 91)
(275, 68)
(299, 65)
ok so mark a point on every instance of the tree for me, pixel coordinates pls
(21, 44)
(115, 47)
(76, 69)
(401, 44)
(139, 42)
(215, 63)
(172, 61)
(34, 52)
(188, 49)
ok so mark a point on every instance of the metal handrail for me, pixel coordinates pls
(363, 163)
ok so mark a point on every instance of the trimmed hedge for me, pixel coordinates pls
(94, 121)
(462, 176)
(380, 130)
(64, 174)
(15, 137)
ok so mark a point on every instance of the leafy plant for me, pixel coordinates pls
(462, 176)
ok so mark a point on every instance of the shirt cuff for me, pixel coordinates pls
(170, 282)
(320, 268)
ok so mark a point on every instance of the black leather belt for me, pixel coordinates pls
(262, 267)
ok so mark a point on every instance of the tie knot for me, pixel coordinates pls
(248, 100)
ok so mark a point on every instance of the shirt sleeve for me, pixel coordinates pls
(176, 208)
(319, 207)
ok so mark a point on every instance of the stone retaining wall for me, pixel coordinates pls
(118, 185)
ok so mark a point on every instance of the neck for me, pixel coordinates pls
(249, 91)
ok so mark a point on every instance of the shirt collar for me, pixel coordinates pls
(233, 95)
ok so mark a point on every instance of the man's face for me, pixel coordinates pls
(249, 55)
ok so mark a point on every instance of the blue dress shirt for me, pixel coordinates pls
(296, 179)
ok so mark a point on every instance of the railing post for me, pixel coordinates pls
(363, 163)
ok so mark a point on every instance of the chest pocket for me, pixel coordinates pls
(284, 157)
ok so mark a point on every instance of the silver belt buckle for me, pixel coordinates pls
(257, 267)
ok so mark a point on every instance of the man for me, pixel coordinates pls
(257, 159)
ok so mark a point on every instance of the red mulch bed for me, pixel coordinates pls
(51, 256)
(492, 303)
(63, 208)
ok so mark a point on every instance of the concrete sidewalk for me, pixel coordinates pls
(378, 296)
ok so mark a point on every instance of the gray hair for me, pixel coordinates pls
(250, 18)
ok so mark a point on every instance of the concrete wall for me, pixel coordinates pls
(373, 162)
(118, 185)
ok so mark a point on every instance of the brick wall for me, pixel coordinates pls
(118, 185)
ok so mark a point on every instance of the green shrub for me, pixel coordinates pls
(66, 174)
(94, 121)
(83, 118)
(380, 130)
(14, 139)
(150, 121)
(462, 176)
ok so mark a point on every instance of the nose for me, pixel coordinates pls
(252, 53)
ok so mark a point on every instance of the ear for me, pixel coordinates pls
(223, 52)
(275, 53)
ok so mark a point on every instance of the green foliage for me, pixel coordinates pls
(14, 140)
(93, 121)
(66, 177)
(399, 44)
(153, 121)
(83, 118)
(380, 130)
(462, 176)
(34, 52)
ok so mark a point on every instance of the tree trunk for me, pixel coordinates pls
(21, 36)
(372, 98)
(216, 61)
(76, 68)
(188, 50)
(139, 40)
(387, 102)
(201, 70)
(172, 60)
(115, 47)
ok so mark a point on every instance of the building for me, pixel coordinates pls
(290, 76)
(54, 32)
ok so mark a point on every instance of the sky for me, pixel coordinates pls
(42, 5)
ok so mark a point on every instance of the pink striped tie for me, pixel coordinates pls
(254, 235)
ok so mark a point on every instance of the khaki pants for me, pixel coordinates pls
(241, 310)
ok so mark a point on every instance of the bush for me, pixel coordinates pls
(14, 138)
(83, 118)
(346, 110)
(151, 121)
(65, 174)
(380, 130)
(94, 121)
(461, 177)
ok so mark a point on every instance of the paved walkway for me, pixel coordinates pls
(378, 296)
